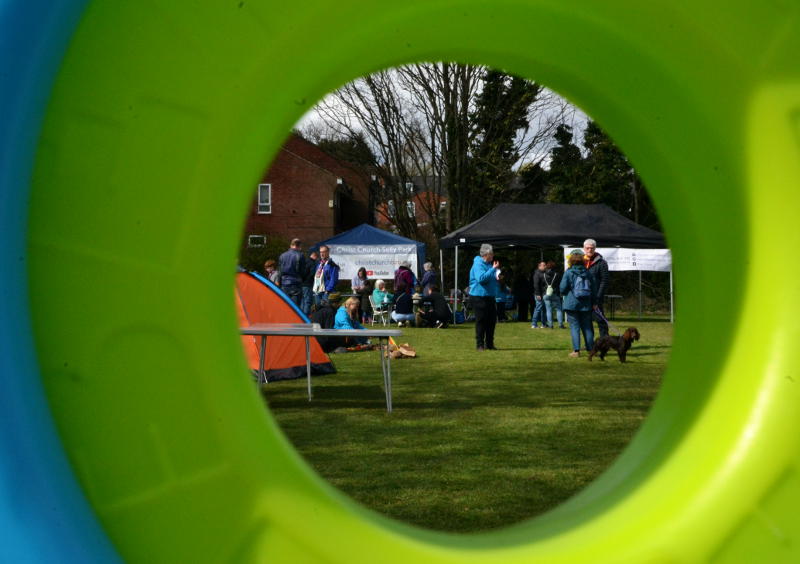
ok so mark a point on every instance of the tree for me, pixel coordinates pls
(601, 174)
(353, 149)
(565, 177)
(500, 115)
(428, 122)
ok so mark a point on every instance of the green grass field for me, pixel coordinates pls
(477, 440)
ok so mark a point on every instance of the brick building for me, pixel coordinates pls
(310, 194)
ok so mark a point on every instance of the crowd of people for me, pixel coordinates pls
(575, 296)
(309, 281)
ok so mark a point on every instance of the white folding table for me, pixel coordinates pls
(308, 330)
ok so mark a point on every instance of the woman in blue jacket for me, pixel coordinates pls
(578, 288)
(483, 290)
(347, 318)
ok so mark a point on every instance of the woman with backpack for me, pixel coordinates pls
(578, 288)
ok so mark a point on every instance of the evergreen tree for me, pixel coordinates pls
(565, 178)
(352, 148)
(500, 115)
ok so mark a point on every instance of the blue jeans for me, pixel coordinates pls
(308, 299)
(581, 322)
(294, 292)
(551, 302)
(319, 297)
(403, 316)
(538, 313)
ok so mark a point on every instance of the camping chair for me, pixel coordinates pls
(381, 312)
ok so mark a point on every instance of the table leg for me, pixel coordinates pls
(386, 367)
(308, 367)
(262, 360)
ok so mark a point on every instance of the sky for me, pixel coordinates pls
(578, 120)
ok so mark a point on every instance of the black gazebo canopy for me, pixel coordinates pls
(541, 225)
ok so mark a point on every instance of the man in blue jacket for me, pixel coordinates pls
(326, 275)
(483, 290)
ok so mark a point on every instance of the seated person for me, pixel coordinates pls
(435, 311)
(380, 297)
(403, 312)
(347, 318)
(325, 316)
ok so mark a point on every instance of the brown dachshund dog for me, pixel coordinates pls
(619, 344)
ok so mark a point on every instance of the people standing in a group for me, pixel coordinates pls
(538, 295)
(326, 275)
(404, 276)
(272, 272)
(598, 267)
(292, 265)
(552, 295)
(483, 291)
(428, 279)
(362, 287)
(579, 290)
(403, 313)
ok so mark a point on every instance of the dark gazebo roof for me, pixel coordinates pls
(541, 225)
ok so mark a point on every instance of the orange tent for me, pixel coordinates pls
(259, 301)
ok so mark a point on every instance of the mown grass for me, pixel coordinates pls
(477, 440)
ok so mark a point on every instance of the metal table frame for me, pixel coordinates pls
(308, 330)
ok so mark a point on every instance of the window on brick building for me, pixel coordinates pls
(390, 208)
(265, 198)
(412, 209)
(256, 240)
(443, 204)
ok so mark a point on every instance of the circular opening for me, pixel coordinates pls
(176, 119)
(476, 440)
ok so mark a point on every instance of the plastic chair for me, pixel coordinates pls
(379, 312)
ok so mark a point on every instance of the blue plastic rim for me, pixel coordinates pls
(705, 101)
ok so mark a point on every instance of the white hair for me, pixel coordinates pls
(379, 283)
(590, 242)
(427, 265)
(486, 249)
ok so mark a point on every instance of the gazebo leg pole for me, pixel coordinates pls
(671, 306)
(441, 267)
(640, 295)
(455, 291)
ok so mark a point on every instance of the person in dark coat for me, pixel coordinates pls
(403, 312)
(292, 265)
(598, 268)
(404, 276)
(428, 279)
(538, 295)
(523, 292)
(325, 315)
(435, 311)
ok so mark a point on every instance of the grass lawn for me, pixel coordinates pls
(477, 440)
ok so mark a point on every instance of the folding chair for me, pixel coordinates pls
(381, 313)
